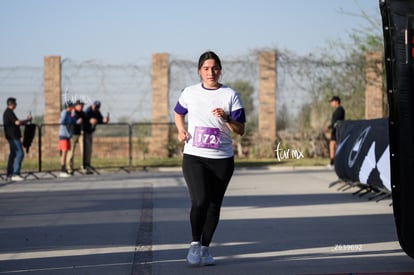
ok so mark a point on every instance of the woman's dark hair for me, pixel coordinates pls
(208, 55)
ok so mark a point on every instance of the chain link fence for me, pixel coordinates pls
(125, 89)
(125, 93)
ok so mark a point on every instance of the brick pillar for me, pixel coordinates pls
(267, 96)
(374, 102)
(160, 83)
(52, 96)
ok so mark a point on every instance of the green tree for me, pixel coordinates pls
(340, 70)
(283, 117)
(245, 90)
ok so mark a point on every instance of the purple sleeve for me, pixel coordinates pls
(238, 115)
(180, 109)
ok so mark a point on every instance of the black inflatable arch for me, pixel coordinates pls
(398, 30)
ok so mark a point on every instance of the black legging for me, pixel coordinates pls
(207, 180)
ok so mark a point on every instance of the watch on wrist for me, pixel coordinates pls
(228, 118)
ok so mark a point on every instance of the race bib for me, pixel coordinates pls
(206, 137)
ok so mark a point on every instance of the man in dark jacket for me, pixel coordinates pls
(93, 117)
(13, 135)
(337, 115)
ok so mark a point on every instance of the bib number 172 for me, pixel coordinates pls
(206, 137)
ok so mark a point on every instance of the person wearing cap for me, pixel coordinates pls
(13, 135)
(67, 119)
(93, 117)
(337, 115)
(77, 135)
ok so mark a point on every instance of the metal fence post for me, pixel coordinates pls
(39, 147)
(130, 144)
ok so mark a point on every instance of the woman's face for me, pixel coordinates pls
(210, 74)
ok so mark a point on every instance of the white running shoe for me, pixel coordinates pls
(205, 256)
(16, 178)
(64, 175)
(193, 256)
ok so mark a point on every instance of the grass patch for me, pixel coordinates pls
(53, 163)
(287, 162)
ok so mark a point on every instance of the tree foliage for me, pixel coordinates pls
(245, 90)
(338, 70)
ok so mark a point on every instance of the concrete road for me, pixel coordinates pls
(274, 221)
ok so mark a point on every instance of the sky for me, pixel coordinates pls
(130, 31)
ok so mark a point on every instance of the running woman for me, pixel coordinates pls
(214, 111)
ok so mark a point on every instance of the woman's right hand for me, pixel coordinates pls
(183, 136)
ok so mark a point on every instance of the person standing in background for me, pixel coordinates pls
(67, 119)
(77, 136)
(337, 115)
(93, 117)
(13, 135)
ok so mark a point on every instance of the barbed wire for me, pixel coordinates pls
(25, 83)
(125, 89)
